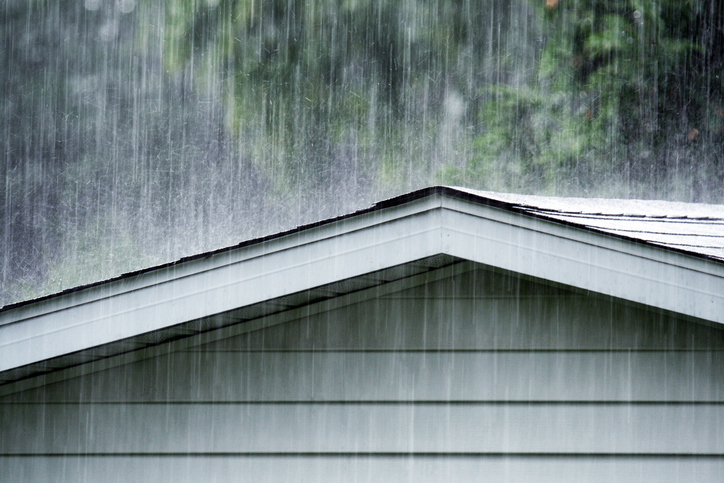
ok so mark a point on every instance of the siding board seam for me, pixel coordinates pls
(392, 454)
(372, 402)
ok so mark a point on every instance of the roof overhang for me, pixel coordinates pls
(428, 228)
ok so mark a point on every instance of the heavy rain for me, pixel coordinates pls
(550, 311)
(136, 132)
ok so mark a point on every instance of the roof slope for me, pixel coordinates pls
(643, 252)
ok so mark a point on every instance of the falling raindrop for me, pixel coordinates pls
(93, 4)
(125, 6)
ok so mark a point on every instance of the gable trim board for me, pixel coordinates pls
(417, 226)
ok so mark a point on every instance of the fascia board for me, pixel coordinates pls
(584, 259)
(181, 293)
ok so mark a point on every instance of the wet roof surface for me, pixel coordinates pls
(692, 227)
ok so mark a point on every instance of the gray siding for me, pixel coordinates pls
(477, 377)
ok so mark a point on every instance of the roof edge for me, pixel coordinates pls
(448, 191)
(378, 206)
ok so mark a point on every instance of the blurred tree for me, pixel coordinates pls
(330, 80)
(628, 91)
(138, 131)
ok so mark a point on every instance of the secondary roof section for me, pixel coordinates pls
(692, 227)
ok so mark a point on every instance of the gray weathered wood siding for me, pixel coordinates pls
(477, 377)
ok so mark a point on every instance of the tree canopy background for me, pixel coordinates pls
(138, 131)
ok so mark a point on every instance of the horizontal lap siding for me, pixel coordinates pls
(450, 381)
(621, 376)
(565, 322)
(367, 428)
(363, 468)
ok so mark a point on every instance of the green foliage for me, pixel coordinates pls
(623, 86)
(310, 76)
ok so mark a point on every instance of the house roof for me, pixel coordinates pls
(692, 227)
(669, 256)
